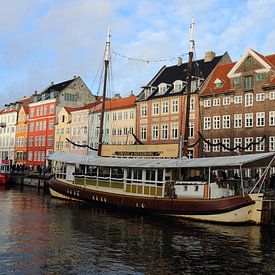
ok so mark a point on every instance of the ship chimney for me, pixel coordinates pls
(117, 95)
(209, 56)
(179, 61)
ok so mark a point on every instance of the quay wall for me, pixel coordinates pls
(39, 181)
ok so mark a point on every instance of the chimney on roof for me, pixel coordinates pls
(179, 61)
(52, 83)
(74, 76)
(117, 95)
(131, 93)
(209, 56)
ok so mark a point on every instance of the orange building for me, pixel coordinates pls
(21, 136)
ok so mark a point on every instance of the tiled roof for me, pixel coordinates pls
(220, 72)
(116, 104)
(170, 74)
(26, 109)
(268, 59)
(59, 86)
(85, 107)
(271, 59)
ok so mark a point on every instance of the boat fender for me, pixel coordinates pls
(78, 193)
(105, 199)
(93, 197)
(101, 199)
(96, 198)
(142, 205)
(137, 204)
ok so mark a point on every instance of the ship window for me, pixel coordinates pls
(151, 175)
(138, 174)
(92, 171)
(185, 188)
(117, 173)
(196, 188)
(129, 174)
(160, 175)
(104, 172)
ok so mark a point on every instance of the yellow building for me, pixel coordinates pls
(63, 130)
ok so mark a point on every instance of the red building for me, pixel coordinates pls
(42, 116)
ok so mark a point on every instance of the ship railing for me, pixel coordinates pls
(60, 174)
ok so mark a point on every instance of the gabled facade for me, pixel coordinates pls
(43, 112)
(161, 105)
(79, 128)
(63, 130)
(238, 106)
(8, 125)
(21, 136)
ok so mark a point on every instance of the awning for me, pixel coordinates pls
(246, 161)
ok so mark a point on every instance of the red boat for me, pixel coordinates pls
(4, 178)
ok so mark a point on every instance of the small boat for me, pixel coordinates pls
(178, 188)
(4, 172)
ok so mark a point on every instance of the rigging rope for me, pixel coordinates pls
(148, 60)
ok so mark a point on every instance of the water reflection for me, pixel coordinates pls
(41, 234)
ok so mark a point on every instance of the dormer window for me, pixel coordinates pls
(147, 92)
(249, 83)
(162, 89)
(178, 86)
(248, 62)
(218, 83)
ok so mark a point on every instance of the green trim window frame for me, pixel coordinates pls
(248, 62)
(249, 83)
(237, 81)
(260, 77)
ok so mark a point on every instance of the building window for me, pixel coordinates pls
(248, 62)
(143, 110)
(174, 130)
(30, 156)
(237, 142)
(238, 99)
(226, 101)
(52, 109)
(249, 100)
(260, 119)
(114, 131)
(192, 104)
(226, 121)
(216, 148)
(45, 109)
(132, 114)
(249, 120)
(155, 109)
(272, 95)
(247, 142)
(143, 133)
(206, 146)
(207, 123)
(216, 122)
(226, 143)
(191, 129)
(177, 86)
(260, 97)
(216, 102)
(271, 118)
(162, 89)
(119, 131)
(175, 106)
(272, 143)
(155, 132)
(31, 141)
(125, 115)
(51, 124)
(119, 116)
(249, 83)
(260, 77)
(261, 145)
(164, 131)
(50, 140)
(237, 81)
(165, 108)
(114, 116)
(207, 103)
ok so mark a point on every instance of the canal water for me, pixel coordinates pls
(42, 235)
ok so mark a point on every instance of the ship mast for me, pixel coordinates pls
(106, 64)
(189, 81)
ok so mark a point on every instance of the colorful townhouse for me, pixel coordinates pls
(119, 122)
(8, 125)
(161, 105)
(238, 107)
(21, 136)
(43, 112)
(79, 129)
